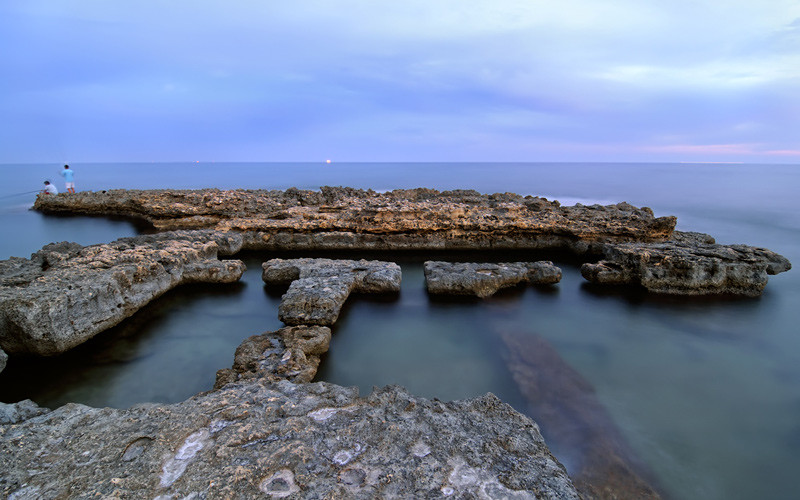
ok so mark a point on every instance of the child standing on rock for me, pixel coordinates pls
(69, 178)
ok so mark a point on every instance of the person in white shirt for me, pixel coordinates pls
(49, 188)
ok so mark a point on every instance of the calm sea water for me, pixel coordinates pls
(707, 392)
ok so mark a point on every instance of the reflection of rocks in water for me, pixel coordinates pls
(574, 422)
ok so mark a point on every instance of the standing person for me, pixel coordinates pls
(49, 188)
(69, 178)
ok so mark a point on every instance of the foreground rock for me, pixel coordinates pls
(253, 439)
(66, 293)
(600, 462)
(19, 412)
(291, 353)
(319, 287)
(688, 264)
(483, 280)
(426, 219)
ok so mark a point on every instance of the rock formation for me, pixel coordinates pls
(319, 287)
(3, 360)
(66, 293)
(601, 464)
(424, 219)
(346, 218)
(687, 264)
(19, 412)
(484, 279)
(256, 438)
(291, 353)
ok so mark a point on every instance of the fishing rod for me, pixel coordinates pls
(19, 194)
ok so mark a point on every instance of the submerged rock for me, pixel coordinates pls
(483, 280)
(254, 438)
(291, 353)
(319, 287)
(67, 293)
(600, 462)
(688, 264)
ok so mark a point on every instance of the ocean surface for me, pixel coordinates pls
(705, 391)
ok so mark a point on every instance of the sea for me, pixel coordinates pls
(706, 391)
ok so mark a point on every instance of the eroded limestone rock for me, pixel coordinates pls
(340, 217)
(253, 438)
(291, 353)
(15, 413)
(688, 264)
(66, 293)
(484, 279)
(425, 219)
(319, 287)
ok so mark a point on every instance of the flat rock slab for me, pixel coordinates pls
(484, 279)
(291, 353)
(688, 264)
(67, 293)
(417, 217)
(255, 439)
(319, 287)
(341, 218)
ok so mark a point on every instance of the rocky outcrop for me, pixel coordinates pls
(484, 279)
(19, 412)
(66, 293)
(600, 462)
(3, 360)
(687, 264)
(319, 287)
(346, 218)
(283, 440)
(425, 219)
(291, 353)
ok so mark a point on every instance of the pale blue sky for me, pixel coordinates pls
(417, 80)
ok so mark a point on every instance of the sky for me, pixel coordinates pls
(411, 80)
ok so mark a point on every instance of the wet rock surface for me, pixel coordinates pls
(600, 462)
(340, 218)
(319, 287)
(484, 279)
(66, 293)
(291, 353)
(283, 440)
(687, 264)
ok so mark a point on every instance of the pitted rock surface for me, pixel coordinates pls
(340, 218)
(319, 287)
(67, 293)
(337, 217)
(484, 279)
(291, 353)
(254, 439)
(688, 264)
